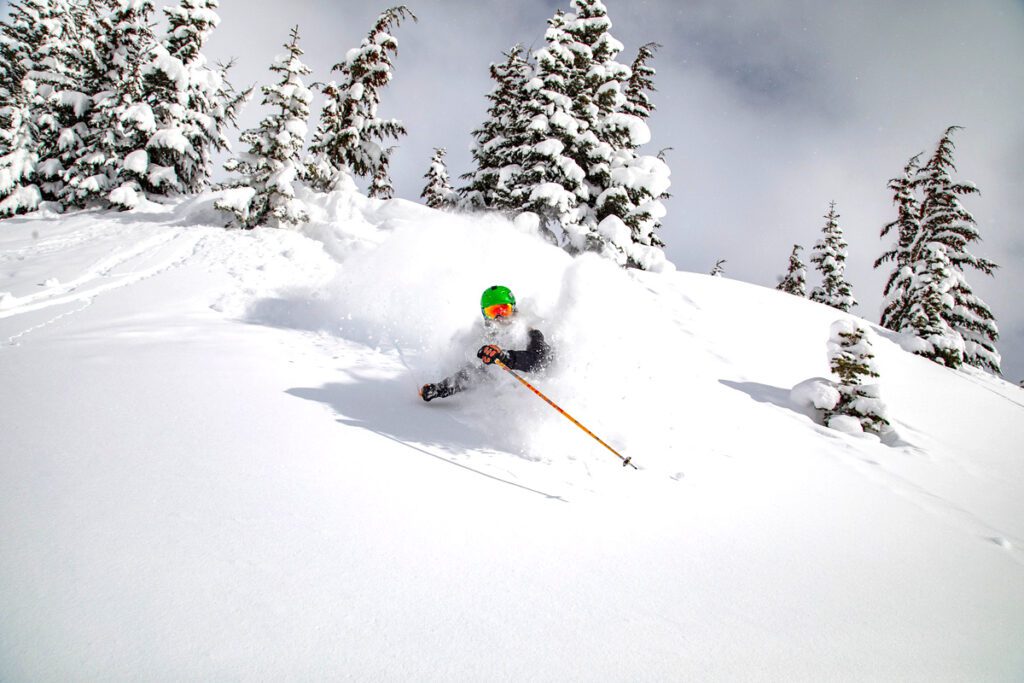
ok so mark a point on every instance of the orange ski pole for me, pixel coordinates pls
(625, 460)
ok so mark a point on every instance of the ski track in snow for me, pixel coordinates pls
(102, 276)
(934, 504)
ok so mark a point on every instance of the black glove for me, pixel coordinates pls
(430, 391)
(490, 353)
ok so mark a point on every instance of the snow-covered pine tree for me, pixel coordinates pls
(381, 186)
(927, 300)
(19, 129)
(624, 187)
(595, 86)
(264, 193)
(851, 360)
(18, 158)
(498, 144)
(927, 294)
(192, 105)
(795, 280)
(640, 83)
(895, 303)
(568, 151)
(947, 226)
(551, 183)
(438, 192)
(53, 77)
(829, 257)
(119, 122)
(349, 136)
(326, 168)
(70, 101)
(719, 269)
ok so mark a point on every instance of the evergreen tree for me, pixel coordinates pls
(264, 193)
(349, 136)
(718, 270)
(551, 183)
(326, 169)
(18, 157)
(829, 256)
(927, 293)
(641, 82)
(927, 302)
(851, 359)
(52, 34)
(795, 280)
(625, 187)
(947, 226)
(895, 304)
(119, 123)
(381, 186)
(192, 104)
(601, 139)
(580, 169)
(19, 130)
(498, 144)
(438, 192)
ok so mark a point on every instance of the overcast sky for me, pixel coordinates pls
(772, 109)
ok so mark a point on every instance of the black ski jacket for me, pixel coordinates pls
(536, 356)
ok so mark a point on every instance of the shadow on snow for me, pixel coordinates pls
(384, 407)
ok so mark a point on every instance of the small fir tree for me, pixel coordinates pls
(852, 361)
(264, 194)
(895, 303)
(381, 186)
(438, 192)
(829, 257)
(349, 138)
(640, 83)
(795, 280)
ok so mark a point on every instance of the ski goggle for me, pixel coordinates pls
(498, 311)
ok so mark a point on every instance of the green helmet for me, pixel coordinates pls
(496, 294)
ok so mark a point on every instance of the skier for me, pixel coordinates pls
(501, 325)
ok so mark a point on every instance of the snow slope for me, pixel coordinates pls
(214, 465)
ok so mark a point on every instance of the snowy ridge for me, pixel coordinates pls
(215, 463)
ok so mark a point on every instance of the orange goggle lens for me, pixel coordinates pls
(498, 311)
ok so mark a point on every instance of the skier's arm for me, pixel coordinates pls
(536, 355)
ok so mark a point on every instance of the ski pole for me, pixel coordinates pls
(625, 460)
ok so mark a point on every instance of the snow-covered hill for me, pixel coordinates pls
(214, 465)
